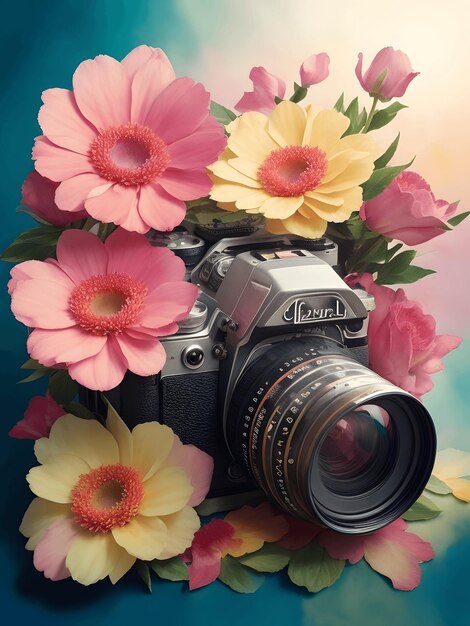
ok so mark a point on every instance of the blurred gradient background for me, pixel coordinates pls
(217, 42)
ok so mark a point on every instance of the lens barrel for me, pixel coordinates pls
(327, 438)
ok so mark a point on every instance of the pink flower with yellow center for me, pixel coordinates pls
(108, 496)
(294, 167)
(101, 307)
(130, 143)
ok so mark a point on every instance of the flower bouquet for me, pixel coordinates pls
(132, 152)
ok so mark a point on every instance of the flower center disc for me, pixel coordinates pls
(107, 497)
(293, 170)
(130, 154)
(107, 304)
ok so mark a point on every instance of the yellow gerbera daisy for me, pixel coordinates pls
(294, 167)
(107, 496)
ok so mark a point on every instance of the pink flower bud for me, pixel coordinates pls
(388, 76)
(314, 69)
(266, 87)
(407, 210)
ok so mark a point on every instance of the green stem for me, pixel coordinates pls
(371, 115)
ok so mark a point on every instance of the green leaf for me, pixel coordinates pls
(171, 569)
(32, 364)
(75, 408)
(238, 577)
(35, 244)
(422, 509)
(385, 116)
(353, 109)
(383, 160)
(36, 375)
(221, 113)
(61, 387)
(339, 105)
(207, 212)
(36, 218)
(410, 274)
(143, 570)
(392, 251)
(313, 568)
(299, 93)
(438, 486)
(270, 558)
(455, 221)
(380, 179)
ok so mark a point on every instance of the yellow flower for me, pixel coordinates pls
(452, 467)
(293, 167)
(107, 496)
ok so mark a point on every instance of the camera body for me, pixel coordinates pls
(255, 291)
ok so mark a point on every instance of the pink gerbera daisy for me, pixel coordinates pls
(130, 143)
(100, 308)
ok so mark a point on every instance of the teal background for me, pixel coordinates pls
(41, 44)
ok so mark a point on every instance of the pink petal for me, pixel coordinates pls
(67, 345)
(445, 344)
(41, 413)
(299, 534)
(204, 570)
(51, 551)
(199, 149)
(62, 122)
(38, 195)
(139, 57)
(314, 69)
(42, 303)
(143, 334)
(58, 163)
(170, 302)
(38, 269)
(101, 372)
(148, 82)
(179, 110)
(81, 254)
(340, 546)
(266, 87)
(72, 193)
(144, 358)
(102, 91)
(185, 185)
(159, 209)
(210, 541)
(118, 204)
(198, 465)
(131, 253)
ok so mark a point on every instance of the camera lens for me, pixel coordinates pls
(193, 357)
(328, 439)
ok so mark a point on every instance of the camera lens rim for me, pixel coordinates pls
(256, 432)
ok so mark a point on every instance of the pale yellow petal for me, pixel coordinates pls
(224, 170)
(42, 449)
(351, 201)
(181, 528)
(325, 129)
(276, 227)
(152, 443)
(38, 517)
(143, 537)
(225, 191)
(363, 142)
(452, 463)
(460, 488)
(92, 557)
(339, 162)
(122, 565)
(334, 200)
(251, 139)
(166, 492)
(287, 124)
(281, 208)
(310, 228)
(244, 166)
(356, 173)
(121, 434)
(87, 439)
(253, 201)
(57, 477)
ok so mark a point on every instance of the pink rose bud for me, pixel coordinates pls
(38, 418)
(38, 195)
(403, 345)
(389, 74)
(314, 69)
(266, 87)
(407, 210)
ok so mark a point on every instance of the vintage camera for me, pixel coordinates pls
(269, 375)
